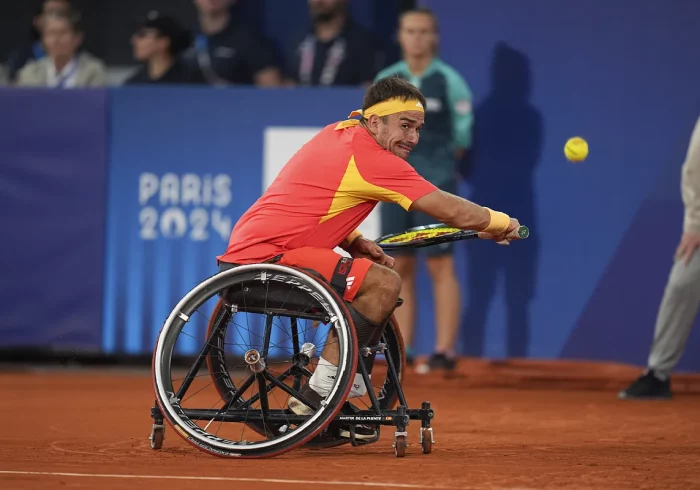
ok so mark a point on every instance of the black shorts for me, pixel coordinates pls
(395, 219)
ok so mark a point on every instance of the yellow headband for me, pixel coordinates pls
(390, 106)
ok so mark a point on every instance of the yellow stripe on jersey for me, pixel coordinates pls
(354, 190)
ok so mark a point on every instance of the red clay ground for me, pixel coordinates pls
(563, 428)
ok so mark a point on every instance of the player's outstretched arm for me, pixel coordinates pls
(460, 213)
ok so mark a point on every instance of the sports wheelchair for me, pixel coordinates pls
(261, 329)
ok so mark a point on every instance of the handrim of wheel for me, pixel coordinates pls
(179, 317)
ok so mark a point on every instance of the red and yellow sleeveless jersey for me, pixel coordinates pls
(322, 194)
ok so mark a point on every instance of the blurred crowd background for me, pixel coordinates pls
(216, 42)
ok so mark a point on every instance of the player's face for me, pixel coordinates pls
(417, 35)
(59, 38)
(400, 133)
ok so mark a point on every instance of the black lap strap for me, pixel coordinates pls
(340, 275)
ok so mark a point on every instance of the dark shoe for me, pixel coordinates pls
(441, 361)
(299, 407)
(647, 387)
(362, 432)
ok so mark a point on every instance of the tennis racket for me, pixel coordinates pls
(425, 236)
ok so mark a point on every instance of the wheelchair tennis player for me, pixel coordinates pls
(323, 194)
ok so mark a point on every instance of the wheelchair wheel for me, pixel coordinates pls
(251, 321)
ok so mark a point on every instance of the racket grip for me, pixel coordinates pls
(519, 234)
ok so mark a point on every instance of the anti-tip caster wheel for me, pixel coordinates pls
(400, 446)
(426, 440)
(157, 436)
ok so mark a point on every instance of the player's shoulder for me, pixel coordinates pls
(398, 68)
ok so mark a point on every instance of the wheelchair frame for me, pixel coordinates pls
(348, 415)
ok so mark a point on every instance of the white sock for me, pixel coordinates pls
(324, 377)
(358, 386)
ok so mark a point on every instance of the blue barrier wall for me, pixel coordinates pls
(588, 282)
(542, 72)
(163, 238)
(53, 163)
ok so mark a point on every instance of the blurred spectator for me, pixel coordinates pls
(336, 50)
(681, 300)
(34, 50)
(64, 66)
(443, 141)
(226, 52)
(158, 43)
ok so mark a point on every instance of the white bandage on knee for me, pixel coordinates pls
(324, 377)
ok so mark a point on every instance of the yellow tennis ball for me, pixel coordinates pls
(576, 149)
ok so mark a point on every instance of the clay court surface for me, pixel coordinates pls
(498, 426)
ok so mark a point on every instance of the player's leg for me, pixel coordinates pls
(395, 219)
(374, 300)
(678, 310)
(372, 295)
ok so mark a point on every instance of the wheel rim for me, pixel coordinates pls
(179, 319)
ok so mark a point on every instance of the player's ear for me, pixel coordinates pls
(373, 124)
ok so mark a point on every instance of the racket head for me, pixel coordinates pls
(422, 236)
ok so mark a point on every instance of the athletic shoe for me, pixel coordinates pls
(362, 432)
(299, 407)
(441, 361)
(647, 387)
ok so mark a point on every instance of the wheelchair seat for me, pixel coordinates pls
(269, 296)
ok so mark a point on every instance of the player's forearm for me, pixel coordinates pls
(460, 213)
(464, 214)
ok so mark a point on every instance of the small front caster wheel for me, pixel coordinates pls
(400, 446)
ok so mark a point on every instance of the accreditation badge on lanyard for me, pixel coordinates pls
(334, 58)
(63, 79)
(201, 44)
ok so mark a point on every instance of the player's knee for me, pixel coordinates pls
(390, 287)
(383, 283)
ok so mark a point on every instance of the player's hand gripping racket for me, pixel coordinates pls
(425, 236)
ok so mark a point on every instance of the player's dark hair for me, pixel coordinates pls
(389, 88)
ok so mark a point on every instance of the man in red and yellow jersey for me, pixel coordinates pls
(327, 189)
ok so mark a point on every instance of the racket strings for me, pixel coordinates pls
(412, 236)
